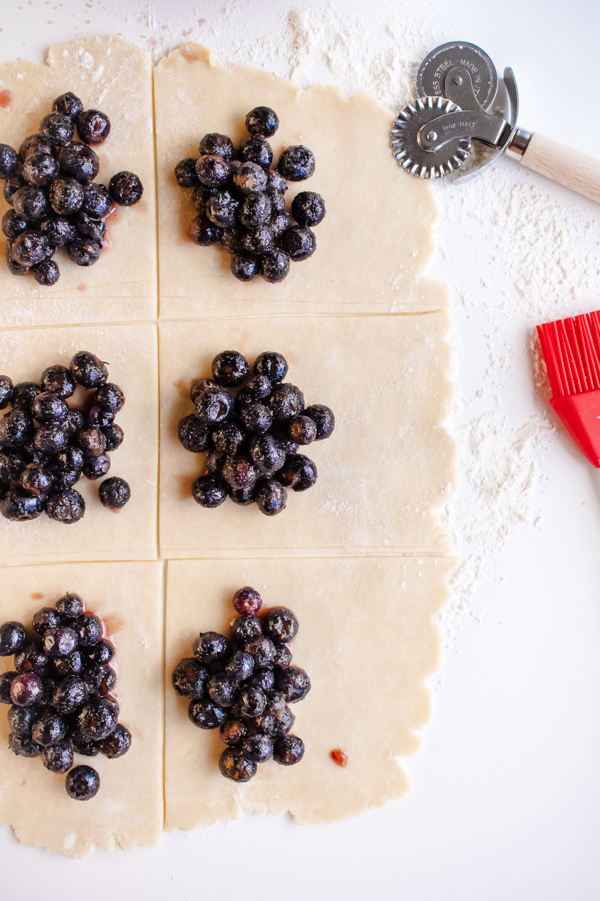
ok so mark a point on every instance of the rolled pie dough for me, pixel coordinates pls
(368, 643)
(384, 472)
(115, 77)
(102, 534)
(372, 246)
(128, 809)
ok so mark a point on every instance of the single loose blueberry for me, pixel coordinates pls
(30, 248)
(83, 782)
(230, 368)
(213, 406)
(240, 472)
(262, 120)
(267, 454)
(293, 683)
(255, 210)
(240, 666)
(16, 427)
(26, 689)
(89, 228)
(227, 438)
(97, 719)
(256, 418)
(296, 163)
(49, 407)
(69, 606)
(193, 434)
(88, 628)
(222, 209)
(280, 624)
(302, 429)
(113, 435)
(48, 729)
(286, 401)
(125, 188)
(51, 438)
(114, 493)
(251, 702)
(247, 601)
(32, 659)
(78, 161)
(96, 467)
(34, 144)
(21, 720)
(69, 695)
(209, 491)
(36, 480)
(222, 689)
(323, 418)
(93, 127)
(247, 628)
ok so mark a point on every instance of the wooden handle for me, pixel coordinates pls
(568, 167)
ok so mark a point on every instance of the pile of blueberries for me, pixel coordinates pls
(47, 445)
(243, 686)
(60, 693)
(49, 183)
(241, 202)
(252, 438)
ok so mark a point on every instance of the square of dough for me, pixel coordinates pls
(368, 643)
(128, 809)
(383, 473)
(102, 534)
(114, 76)
(372, 246)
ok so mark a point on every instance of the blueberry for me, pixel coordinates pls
(222, 209)
(193, 434)
(31, 203)
(98, 418)
(83, 782)
(323, 419)
(293, 683)
(275, 266)
(110, 397)
(5, 683)
(34, 144)
(273, 365)
(114, 493)
(308, 208)
(271, 497)
(302, 429)
(69, 606)
(288, 750)
(275, 724)
(256, 149)
(30, 248)
(13, 225)
(240, 472)
(11, 186)
(11, 467)
(36, 480)
(245, 266)
(283, 656)
(49, 407)
(96, 466)
(232, 732)
(278, 208)
(70, 665)
(256, 418)
(201, 195)
(31, 659)
(60, 641)
(280, 624)
(286, 401)
(16, 428)
(87, 748)
(215, 144)
(20, 506)
(258, 748)
(93, 127)
(296, 163)
(78, 161)
(185, 172)
(44, 619)
(298, 473)
(203, 232)
(113, 435)
(250, 177)
(57, 129)
(210, 647)
(48, 729)
(206, 715)
(235, 766)
(231, 240)
(97, 719)
(299, 242)
(276, 183)
(99, 680)
(215, 462)
(247, 628)
(68, 105)
(40, 169)
(255, 210)
(12, 638)
(247, 601)
(67, 506)
(51, 438)
(259, 241)
(26, 689)
(221, 689)
(101, 653)
(125, 188)
(212, 170)
(259, 387)
(59, 757)
(68, 461)
(213, 406)
(97, 201)
(89, 228)
(66, 196)
(200, 385)
(117, 744)
(23, 747)
(189, 678)
(91, 441)
(262, 120)
(243, 497)
(8, 161)
(46, 273)
(58, 230)
(239, 667)
(21, 720)
(251, 702)
(280, 222)
(88, 370)
(227, 438)
(88, 628)
(24, 393)
(263, 679)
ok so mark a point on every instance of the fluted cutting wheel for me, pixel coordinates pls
(405, 140)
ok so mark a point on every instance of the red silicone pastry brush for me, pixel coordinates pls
(571, 349)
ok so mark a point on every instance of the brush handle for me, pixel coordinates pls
(564, 165)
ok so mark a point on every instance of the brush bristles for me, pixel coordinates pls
(571, 349)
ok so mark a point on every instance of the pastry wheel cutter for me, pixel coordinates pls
(461, 101)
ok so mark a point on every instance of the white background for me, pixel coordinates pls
(506, 788)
